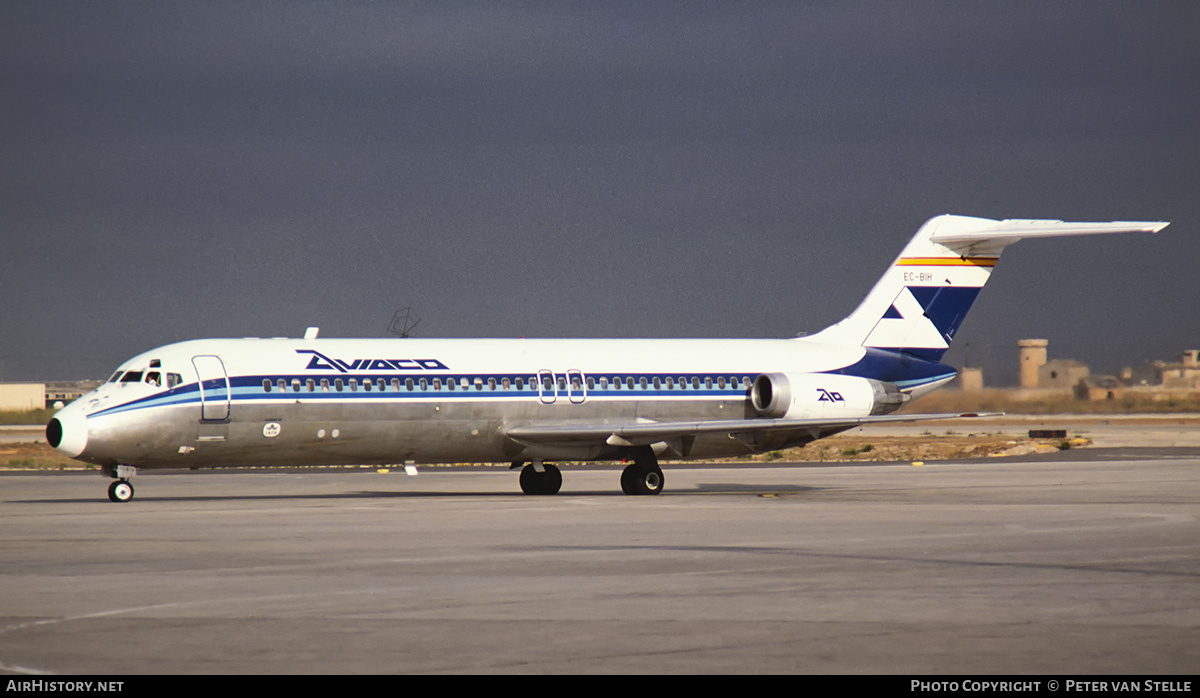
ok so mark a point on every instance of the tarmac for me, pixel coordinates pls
(1081, 562)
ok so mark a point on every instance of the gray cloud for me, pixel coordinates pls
(717, 169)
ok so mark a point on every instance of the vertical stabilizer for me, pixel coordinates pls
(923, 298)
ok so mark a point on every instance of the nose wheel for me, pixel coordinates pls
(120, 491)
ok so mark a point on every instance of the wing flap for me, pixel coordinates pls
(646, 433)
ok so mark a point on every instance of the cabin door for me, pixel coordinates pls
(214, 388)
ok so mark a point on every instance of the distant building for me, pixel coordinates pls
(1182, 374)
(1061, 373)
(1099, 388)
(971, 379)
(22, 396)
(1033, 357)
(67, 391)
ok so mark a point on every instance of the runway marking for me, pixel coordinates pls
(24, 670)
(177, 604)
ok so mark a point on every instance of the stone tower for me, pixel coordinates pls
(1033, 356)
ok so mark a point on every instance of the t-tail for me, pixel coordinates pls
(921, 301)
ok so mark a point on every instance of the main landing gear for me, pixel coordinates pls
(120, 490)
(540, 478)
(642, 477)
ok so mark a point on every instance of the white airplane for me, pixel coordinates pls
(270, 402)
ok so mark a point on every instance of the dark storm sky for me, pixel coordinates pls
(171, 171)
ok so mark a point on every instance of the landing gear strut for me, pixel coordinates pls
(121, 490)
(547, 481)
(644, 476)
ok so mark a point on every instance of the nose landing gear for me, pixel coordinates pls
(121, 490)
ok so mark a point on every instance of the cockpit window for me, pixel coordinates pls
(153, 378)
(174, 379)
(132, 377)
(115, 376)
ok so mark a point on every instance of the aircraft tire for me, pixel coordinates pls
(641, 480)
(120, 491)
(552, 481)
(548, 482)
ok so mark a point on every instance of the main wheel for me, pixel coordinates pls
(549, 481)
(641, 479)
(120, 491)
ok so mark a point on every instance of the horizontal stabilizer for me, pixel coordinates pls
(961, 233)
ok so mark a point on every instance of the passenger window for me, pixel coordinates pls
(408, 384)
(504, 383)
(282, 385)
(310, 385)
(721, 382)
(657, 383)
(695, 382)
(629, 382)
(367, 385)
(337, 384)
(708, 383)
(266, 385)
(491, 384)
(295, 385)
(520, 383)
(424, 384)
(354, 385)
(325, 385)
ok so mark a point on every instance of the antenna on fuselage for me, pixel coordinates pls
(403, 322)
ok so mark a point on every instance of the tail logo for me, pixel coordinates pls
(923, 317)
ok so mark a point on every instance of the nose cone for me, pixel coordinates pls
(67, 432)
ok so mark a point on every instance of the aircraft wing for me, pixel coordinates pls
(646, 432)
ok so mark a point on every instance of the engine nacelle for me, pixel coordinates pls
(817, 395)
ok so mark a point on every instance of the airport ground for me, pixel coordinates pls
(1081, 561)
